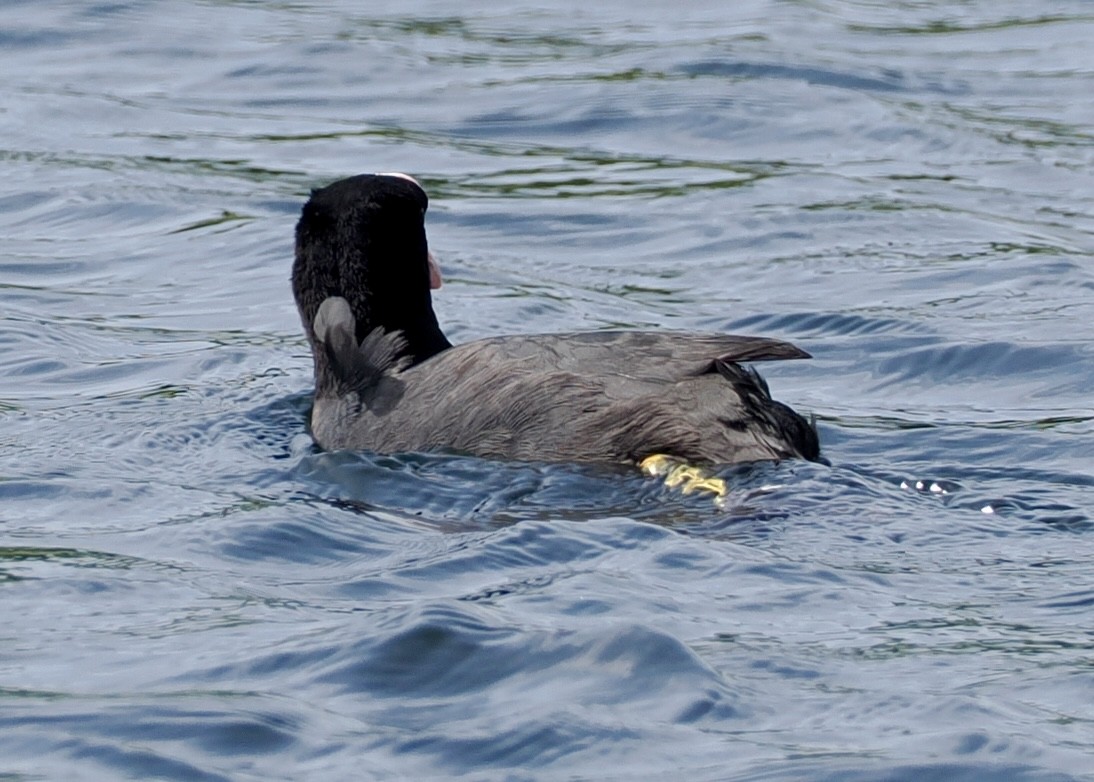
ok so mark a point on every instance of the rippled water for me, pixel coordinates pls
(191, 591)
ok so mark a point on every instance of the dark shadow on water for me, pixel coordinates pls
(888, 80)
(459, 493)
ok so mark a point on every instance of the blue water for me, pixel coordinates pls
(189, 590)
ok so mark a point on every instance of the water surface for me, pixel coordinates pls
(193, 592)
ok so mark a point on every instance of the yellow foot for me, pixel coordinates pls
(677, 472)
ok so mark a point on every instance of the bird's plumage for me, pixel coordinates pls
(387, 380)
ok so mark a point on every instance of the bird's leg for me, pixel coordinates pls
(678, 473)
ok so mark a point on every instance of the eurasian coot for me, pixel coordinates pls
(387, 379)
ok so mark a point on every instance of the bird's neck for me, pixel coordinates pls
(424, 338)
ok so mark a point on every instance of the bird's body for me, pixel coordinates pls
(388, 381)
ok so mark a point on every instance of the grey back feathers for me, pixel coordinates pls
(537, 397)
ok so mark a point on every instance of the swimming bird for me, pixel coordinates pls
(387, 379)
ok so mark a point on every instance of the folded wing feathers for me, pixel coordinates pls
(762, 349)
(356, 367)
